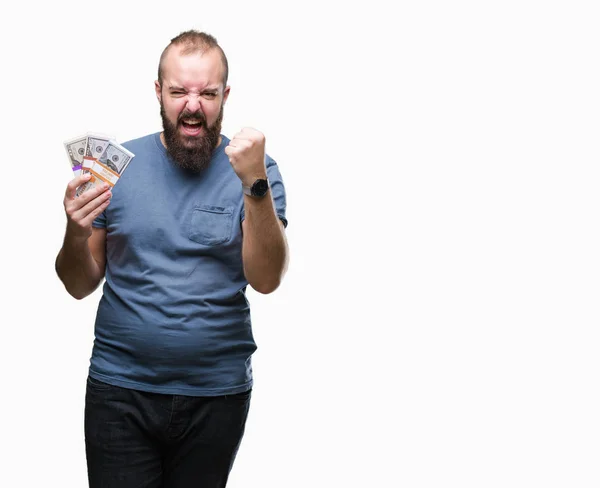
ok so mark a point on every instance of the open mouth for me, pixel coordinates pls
(191, 127)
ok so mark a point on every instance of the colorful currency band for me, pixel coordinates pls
(100, 171)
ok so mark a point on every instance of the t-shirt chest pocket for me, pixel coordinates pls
(211, 225)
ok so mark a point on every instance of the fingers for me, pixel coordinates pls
(74, 184)
(233, 152)
(80, 218)
(240, 143)
(248, 134)
(82, 210)
(246, 153)
(246, 148)
(94, 206)
(75, 204)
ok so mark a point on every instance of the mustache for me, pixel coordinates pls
(197, 116)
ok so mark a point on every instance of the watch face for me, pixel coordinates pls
(260, 187)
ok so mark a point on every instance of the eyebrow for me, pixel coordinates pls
(180, 88)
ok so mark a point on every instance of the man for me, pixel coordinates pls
(192, 221)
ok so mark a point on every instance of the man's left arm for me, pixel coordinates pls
(264, 246)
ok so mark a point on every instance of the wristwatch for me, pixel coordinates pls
(258, 189)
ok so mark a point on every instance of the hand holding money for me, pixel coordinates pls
(99, 155)
(82, 210)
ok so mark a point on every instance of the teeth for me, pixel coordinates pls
(192, 122)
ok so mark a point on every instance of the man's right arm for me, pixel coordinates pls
(81, 262)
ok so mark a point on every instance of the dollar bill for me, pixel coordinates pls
(76, 151)
(96, 144)
(116, 157)
(108, 167)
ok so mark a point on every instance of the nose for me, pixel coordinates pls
(193, 103)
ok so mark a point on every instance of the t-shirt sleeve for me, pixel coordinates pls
(277, 191)
(100, 221)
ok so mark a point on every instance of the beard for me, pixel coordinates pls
(192, 153)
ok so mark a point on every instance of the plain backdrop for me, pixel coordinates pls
(439, 323)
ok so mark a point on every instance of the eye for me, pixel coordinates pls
(210, 95)
(177, 93)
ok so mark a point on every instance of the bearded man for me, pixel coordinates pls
(194, 219)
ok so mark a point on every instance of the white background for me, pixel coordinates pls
(438, 325)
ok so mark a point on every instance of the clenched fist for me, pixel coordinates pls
(246, 152)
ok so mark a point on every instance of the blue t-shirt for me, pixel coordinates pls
(174, 317)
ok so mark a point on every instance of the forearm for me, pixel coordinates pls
(77, 269)
(264, 250)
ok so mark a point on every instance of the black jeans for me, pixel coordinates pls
(136, 439)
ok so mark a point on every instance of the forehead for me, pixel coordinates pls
(200, 68)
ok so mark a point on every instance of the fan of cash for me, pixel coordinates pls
(100, 155)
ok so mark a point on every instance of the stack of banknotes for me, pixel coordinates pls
(98, 154)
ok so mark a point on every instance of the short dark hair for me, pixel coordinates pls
(195, 41)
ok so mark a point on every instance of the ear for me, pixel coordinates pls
(226, 93)
(158, 91)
